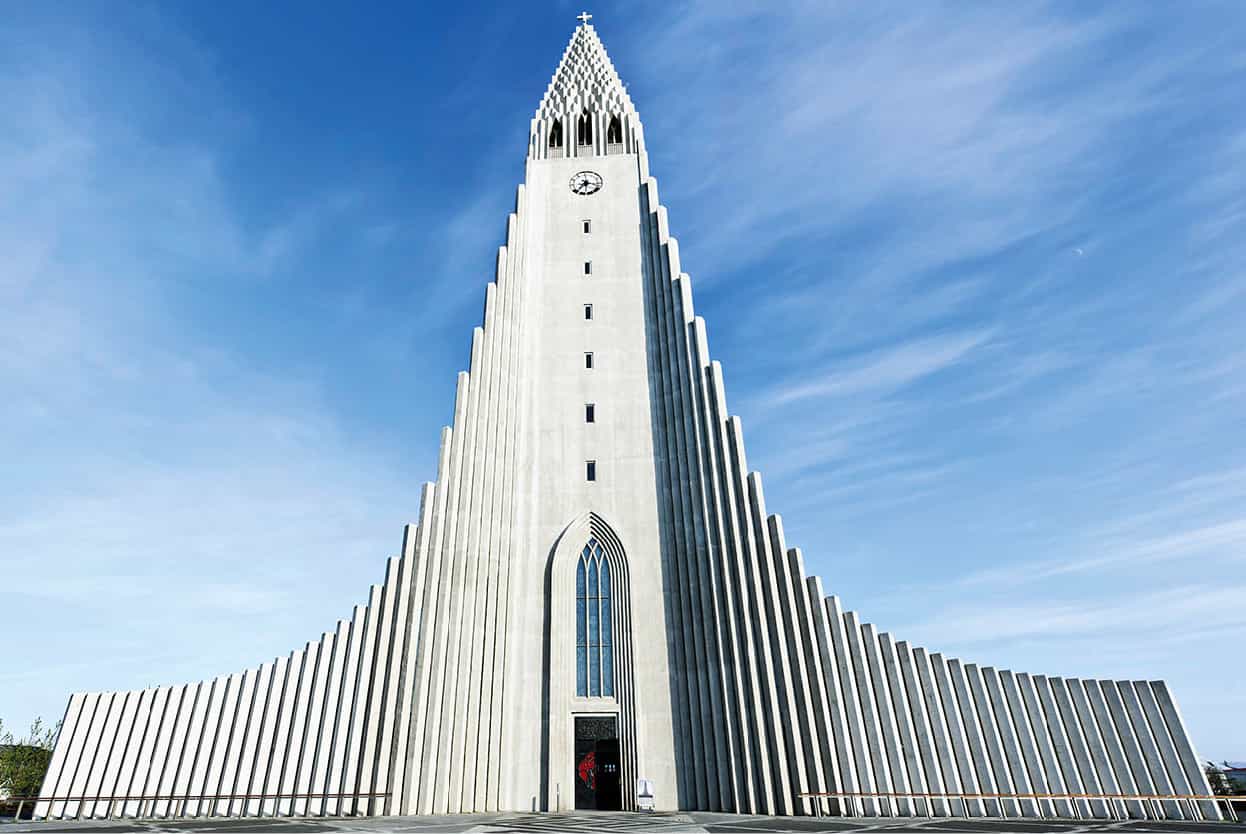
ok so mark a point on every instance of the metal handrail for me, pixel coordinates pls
(965, 797)
(184, 799)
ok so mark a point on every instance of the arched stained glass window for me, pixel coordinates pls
(594, 625)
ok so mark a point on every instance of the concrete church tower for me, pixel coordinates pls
(594, 592)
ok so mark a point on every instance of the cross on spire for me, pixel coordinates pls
(584, 17)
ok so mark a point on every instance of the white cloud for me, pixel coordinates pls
(883, 371)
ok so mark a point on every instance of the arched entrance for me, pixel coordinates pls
(591, 744)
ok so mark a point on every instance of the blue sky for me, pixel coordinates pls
(976, 274)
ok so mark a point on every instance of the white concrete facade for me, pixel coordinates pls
(738, 684)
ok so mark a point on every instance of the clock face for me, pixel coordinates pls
(586, 182)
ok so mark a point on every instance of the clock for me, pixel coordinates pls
(586, 182)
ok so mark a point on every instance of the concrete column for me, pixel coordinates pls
(415, 549)
(121, 759)
(304, 781)
(973, 733)
(419, 758)
(947, 733)
(1040, 737)
(708, 617)
(1191, 765)
(691, 775)
(820, 711)
(354, 752)
(760, 739)
(725, 600)
(433, 788)
(297, 728)
(1070, 746)
(885, 720)
(465, 694)
(1110, 713)
(845, 756)
(862, 750)
(204, 748)
(233, 737)
(377, 681)
(82, 747)
(922, 740)
(908, 746)
(1151, 754)
(60, 766)
(776, 657)
(105, 745)
(994, 709)
(1164, 747)
(236, 779)
(343, 727)
(692, 788)
(322, 776)
(160, 780)
(1131, 745)
(265, 753)
(147, 771)
(138, 756)
(279, 746)
(1104, 745)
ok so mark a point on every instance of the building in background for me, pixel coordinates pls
(1235, 774)
(594, 593)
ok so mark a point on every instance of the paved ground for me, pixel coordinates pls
(608, 823)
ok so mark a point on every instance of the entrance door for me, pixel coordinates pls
(597, 771)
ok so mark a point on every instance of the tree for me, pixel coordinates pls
(23, 763)
(1220, 785)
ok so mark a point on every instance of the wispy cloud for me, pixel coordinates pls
(882, 371)
(1216, 606)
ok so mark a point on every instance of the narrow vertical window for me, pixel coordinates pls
(588, 361)
(590, 470)
(594, 628)
(588, 267)
(594, 624)
(588, 311)
(581, 632)
(607, 636)
(590, 413)
(588, 227)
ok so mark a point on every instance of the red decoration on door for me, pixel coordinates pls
(587, 770)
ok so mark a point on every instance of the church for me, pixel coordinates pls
(594, 596)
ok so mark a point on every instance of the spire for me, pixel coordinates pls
(584, 82)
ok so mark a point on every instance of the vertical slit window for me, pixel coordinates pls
(594, 630)
(590, 413)
(588, 267)
(594, 624)
(607, 630)
(581, 633)
(588, 227)
(588, 361)
(588, 312)
(590, 470)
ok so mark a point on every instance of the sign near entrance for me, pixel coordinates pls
(644, 794)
